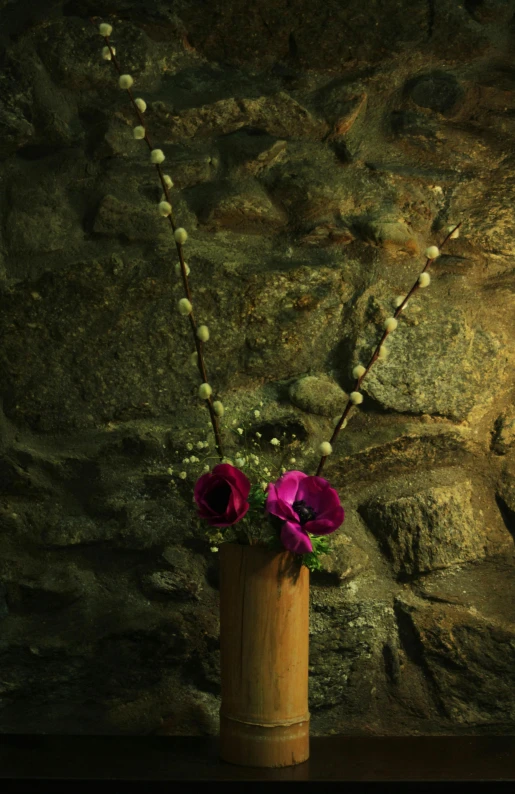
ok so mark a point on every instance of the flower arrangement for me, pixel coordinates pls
(296, 511)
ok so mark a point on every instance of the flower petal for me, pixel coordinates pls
(314, 483)
(234, 476)
(214, 523)
(288, 485)
(235, 505)
(313, 490)
(324, 526)
(213, 484)
(277, 506)
(329, 504)
(295, 539)
(319, 495)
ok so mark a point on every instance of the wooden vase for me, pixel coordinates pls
(264, 649)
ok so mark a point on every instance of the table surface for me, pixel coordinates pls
(332, 758)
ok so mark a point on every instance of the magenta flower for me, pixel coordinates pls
(305, 504)
(221, 495)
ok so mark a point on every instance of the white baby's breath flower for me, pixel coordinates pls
(356, 397)
(293, 460)
(206, 468)
(125, 81)
(264, 485)
(185, 460)
(383, 353)
(283, 470)
(140, 104)
(194, 459)
(157, 156)
(218, 408)
(165, 208)
(275, 442)
(200, 445)
(139, 132)
(204, 391)
(203, 333)
(185, 306)
(325, 448)
(214, 548)
(432, 252)
(258, 435)
(106, 53)
(194, 359)
(359, 370)
(454, 234)
(390, 324)
(168, 181)
(169, 470)
(424, 279)
(105, 29)
(399, 300)
(189, 446)
(181, 235)
(183, 475)
(240, 462)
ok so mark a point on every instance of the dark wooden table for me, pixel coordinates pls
(61, 762)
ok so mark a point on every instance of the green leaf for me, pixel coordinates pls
(321, 545)
(274, 543)
(257, 497)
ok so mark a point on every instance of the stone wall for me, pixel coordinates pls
(316, 150)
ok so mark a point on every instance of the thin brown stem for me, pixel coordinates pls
(375, 354)
(198, 343)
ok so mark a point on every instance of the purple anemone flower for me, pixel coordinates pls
(222, 495)
(305, 504)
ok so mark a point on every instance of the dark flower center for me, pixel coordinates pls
(304, 512)
(219, 497)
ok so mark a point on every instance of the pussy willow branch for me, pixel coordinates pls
(198, 342)
(376, 353)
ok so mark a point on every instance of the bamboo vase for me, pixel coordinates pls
(264, 648)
